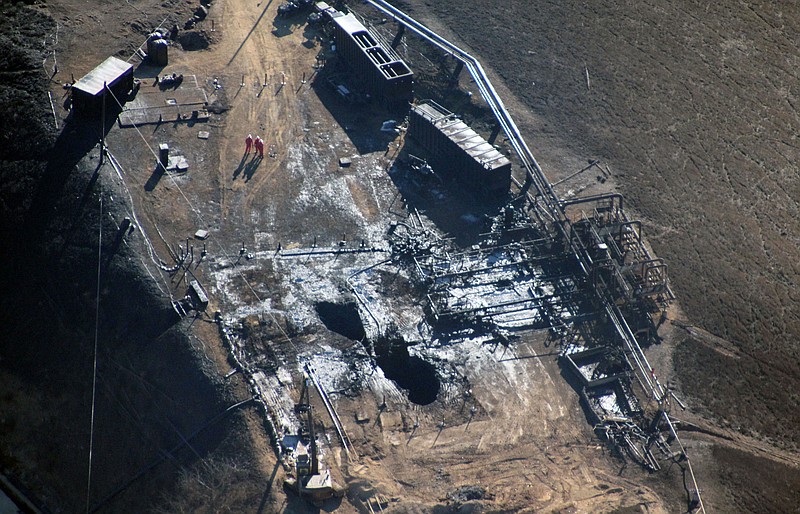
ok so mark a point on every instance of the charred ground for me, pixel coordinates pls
(693, 108)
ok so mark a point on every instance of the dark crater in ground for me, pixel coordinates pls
(342, 318)
(411, 373)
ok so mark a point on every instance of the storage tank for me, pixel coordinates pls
(157, 50)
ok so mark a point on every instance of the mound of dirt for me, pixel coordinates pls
(191, 40)
(468, 493)
(26, 124)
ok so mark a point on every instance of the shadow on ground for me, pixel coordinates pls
(77, 138)
(361, 123)
(453, 208)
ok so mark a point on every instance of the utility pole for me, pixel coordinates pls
(103, 125)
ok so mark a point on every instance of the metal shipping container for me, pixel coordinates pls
(383, 72)
(456, 149)
(87, 93)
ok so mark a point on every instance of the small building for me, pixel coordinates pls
(198, 296)
(456, 150)
(87, 93)
(382, 72)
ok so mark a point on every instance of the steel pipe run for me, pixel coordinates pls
(535, 173)
(554, 207)
(337, 424)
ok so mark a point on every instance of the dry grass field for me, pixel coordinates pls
(694, 108)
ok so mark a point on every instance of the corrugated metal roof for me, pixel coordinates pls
(349, 24)
(470, 142)
(432, 112)
(474, 145)
(107, 72)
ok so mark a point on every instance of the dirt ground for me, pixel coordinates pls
(686, 103)
(506, 432)
(305, 127)
(692, 108)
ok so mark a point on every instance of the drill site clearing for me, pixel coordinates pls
(397, 278)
